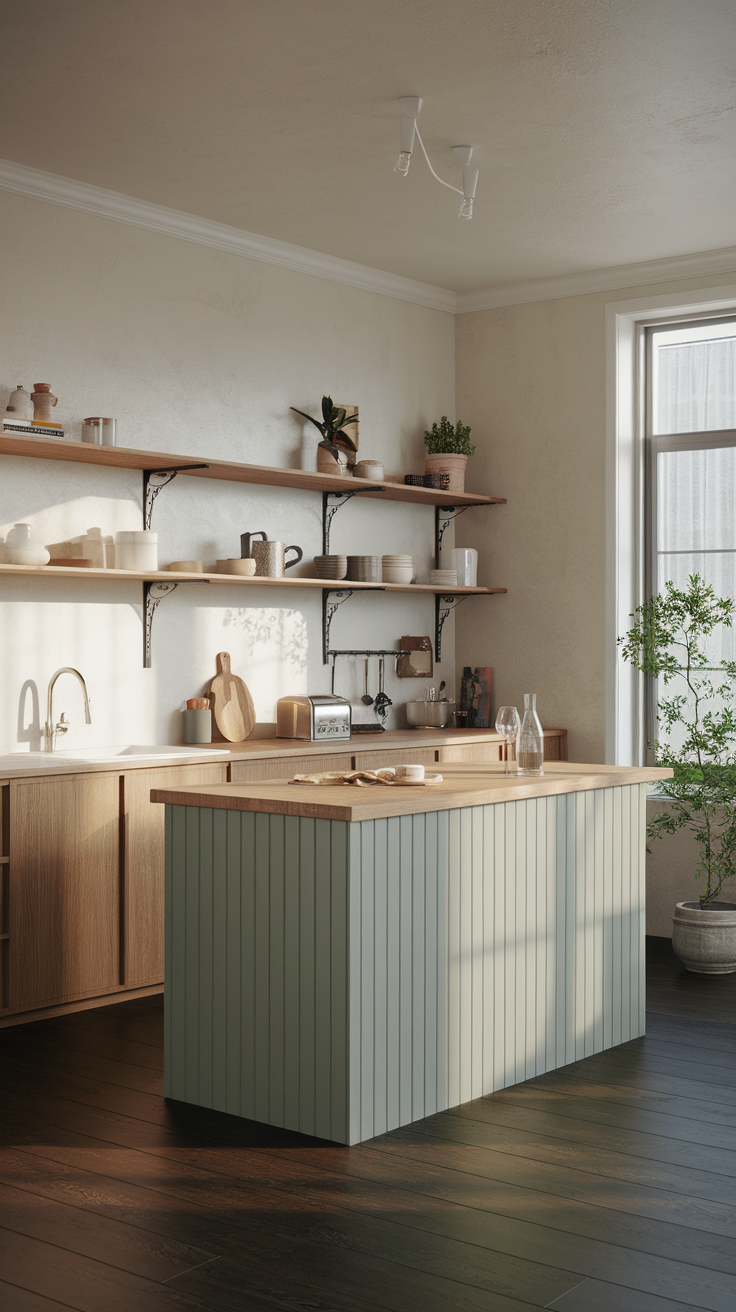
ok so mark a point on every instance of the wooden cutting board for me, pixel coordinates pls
(232, 704)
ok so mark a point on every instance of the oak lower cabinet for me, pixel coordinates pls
(142, 892)
(63, 889)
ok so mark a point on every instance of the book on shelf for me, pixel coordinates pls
(32, 428)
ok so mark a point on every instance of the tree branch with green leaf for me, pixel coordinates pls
(668, 642)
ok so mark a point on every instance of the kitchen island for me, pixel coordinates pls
(342, 961)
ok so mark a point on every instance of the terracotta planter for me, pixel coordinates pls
(332, 459)
(705, 938)
(448, 464)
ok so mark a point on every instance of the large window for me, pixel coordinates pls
(691, 465)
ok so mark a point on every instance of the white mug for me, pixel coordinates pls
(465, 561)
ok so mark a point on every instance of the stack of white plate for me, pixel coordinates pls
(446, 577)
(398, 569)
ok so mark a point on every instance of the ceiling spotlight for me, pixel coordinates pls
(410, 107)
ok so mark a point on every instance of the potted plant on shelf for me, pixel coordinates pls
(670, 641)
(339, 436)
(448, 446)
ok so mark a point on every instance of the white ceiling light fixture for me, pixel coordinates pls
(410, 107)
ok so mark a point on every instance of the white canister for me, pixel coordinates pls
(138, 551)
(465, 561)
(22, 548)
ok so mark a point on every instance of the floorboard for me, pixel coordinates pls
(606, 1186)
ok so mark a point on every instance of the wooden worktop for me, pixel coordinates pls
(22, 765)
(463, 785)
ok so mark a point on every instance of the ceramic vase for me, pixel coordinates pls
(43, 400)
(331, 459)
(448, 464)
(20, 405)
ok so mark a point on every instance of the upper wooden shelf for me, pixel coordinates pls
(174, 576)
(119, 457)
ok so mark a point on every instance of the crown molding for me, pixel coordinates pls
(300, 259)
(206, 232)
(599, 280)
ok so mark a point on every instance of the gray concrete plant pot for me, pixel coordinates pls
(704, 938)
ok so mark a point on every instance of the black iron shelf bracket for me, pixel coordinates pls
(331, 503)
(154, 591)
(332, 598)
(444, 604)
(443, 517)
(151, 489)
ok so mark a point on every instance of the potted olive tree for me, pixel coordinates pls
(339, 436)
(672, 640)
(448, 446)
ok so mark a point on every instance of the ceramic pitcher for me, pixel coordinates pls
(269, 556)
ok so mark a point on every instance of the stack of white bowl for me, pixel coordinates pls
(398, 569)
(330, 567)
(364, 569)
(446, 577)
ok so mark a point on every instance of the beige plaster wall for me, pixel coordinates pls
(531, 383)
(198, 352)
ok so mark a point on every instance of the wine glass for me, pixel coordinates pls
(508, 724)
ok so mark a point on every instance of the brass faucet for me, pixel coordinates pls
(51, 729)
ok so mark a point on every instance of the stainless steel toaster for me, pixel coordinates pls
(318, 719)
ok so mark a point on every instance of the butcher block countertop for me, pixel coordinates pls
(23, 765)
(462, 785)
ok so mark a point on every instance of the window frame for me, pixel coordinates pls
(654, 443)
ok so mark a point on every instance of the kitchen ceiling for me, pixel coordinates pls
(603, 129)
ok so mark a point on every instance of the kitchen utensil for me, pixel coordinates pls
(198, 704)
(270, 558)
(430, 715)
(186, 566)
(508, 725)
(382, 702)
(530, 743)
(197, 725)
(442, 685)
(236, 565)
(101, 432)
(364, 569)
(231, 703)
(136, 550)
(465, 561)
(372, 469)
(317, 719)
(21, 548)
(43, 401)
(366, 699)
(409, 774)
(247, 540)
(402, 574)
(20, 405)
(330, 567)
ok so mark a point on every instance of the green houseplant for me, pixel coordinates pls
(448, 446)
(697, 714)
(339, 435)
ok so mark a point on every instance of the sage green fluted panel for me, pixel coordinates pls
(345, 979)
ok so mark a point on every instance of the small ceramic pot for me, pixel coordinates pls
(332, 459)
(372, 469)
(137, 550)
(330, 567)
(21, 548)
(448, 464)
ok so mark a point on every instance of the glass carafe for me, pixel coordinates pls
(530, 745)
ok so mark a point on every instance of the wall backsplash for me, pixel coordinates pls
(197, 352)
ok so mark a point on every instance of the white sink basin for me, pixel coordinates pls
(133, 751)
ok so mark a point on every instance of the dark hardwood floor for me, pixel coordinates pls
(608, 1186)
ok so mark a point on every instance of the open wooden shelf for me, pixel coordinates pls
(118, 457)
(174, 576)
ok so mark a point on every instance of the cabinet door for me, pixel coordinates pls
(375, 760)
(63, 889)
(285, 767)
(143, 866)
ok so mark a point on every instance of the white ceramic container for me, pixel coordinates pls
(243, 565)
(136, 550)
(465, 562)
(397, 573)
(21, 548)
(372, 469)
